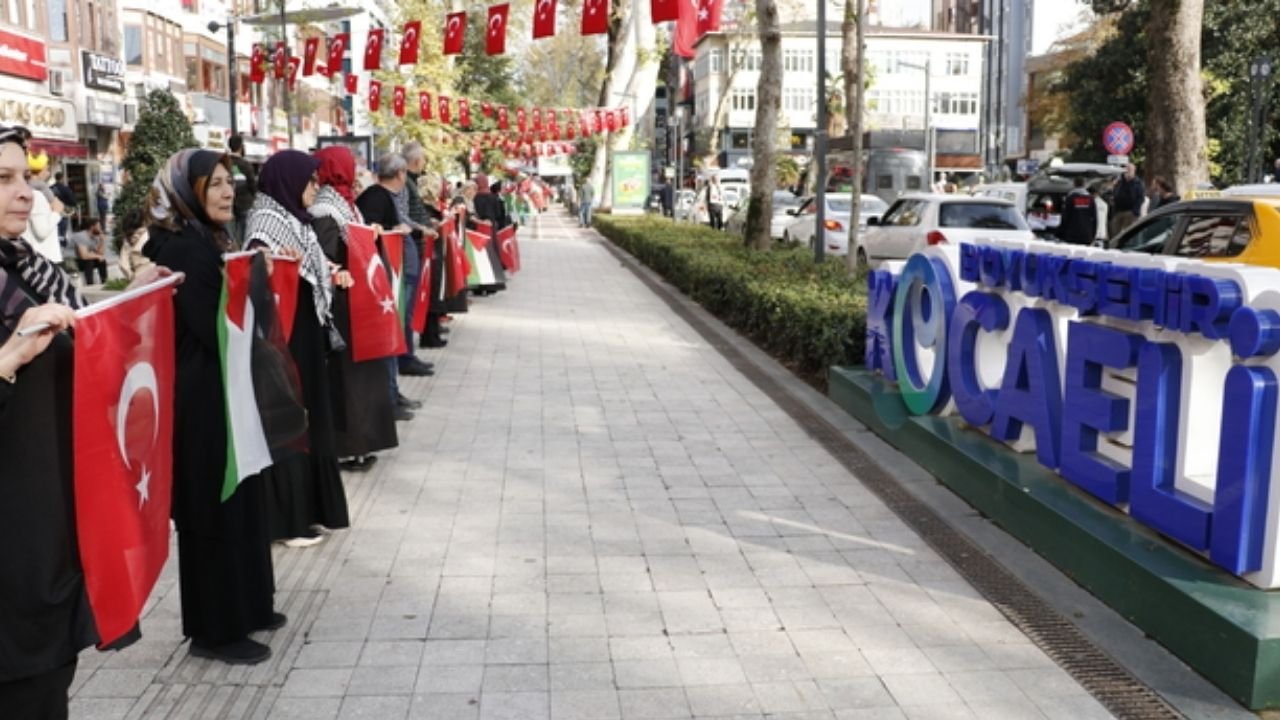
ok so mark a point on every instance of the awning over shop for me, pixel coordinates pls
(58, 148)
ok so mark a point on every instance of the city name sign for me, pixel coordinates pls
(1149, 382)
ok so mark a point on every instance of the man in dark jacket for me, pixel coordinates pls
(1079, 216)
(1126, 200)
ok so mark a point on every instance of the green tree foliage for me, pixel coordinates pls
(482, 76)
(162, 130)
(1109, 85)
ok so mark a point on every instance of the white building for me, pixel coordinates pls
(728, 63)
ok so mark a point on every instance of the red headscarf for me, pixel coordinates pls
(338, 170)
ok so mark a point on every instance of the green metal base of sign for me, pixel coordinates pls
(1226, 629)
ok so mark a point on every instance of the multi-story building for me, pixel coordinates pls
(903, 63)
(1008, 24)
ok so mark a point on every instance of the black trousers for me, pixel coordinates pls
(88, 267)
(41, 697)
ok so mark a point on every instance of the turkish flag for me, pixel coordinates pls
(309, 50)
(257, 61)
(544, 19)
(373, 49)
(422, 296)
(424, 105)
(495, 41)
(595, 17)
(597, 122)
(337, 49)
(522, 122)
(486, 109)
(686, 32)
(409, 42)
(458, 269)
(537, 119)
(445, 117)
(569, 131)
(397, 101)
(352, 83)
(375, 95)
(583, 127)
(376, 330)
(509, 249)
(278, 61)
(284, 285)
(709, 16)
(503, 123)
(393, 247)
(122, 402)
(664, 10)
(455, 29)
(611, 121)
(464, 112)
(295, 63)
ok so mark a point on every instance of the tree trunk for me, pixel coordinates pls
(764, 171)
(853, 65)
(617, 68)
(1176, 142)
(638, 93)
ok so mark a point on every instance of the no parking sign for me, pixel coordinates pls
(1117, 138)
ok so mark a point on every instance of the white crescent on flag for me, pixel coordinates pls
(542, 7)
(141, 376)
(375, 265)
(494, 29)
(410, 37)
(338, 46)
(454, 24)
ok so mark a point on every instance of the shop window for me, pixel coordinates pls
(58, 29)
(133, 45)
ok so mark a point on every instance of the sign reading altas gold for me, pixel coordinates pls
(43, 117)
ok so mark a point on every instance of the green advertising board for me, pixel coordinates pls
(630, 181)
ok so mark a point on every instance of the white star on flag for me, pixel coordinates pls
(388, 305)
(143, 487)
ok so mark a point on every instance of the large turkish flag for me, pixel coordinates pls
(422, 301)
(509, 249)
(376, 330)
(122, 435)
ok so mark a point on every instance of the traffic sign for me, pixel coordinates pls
(1117, 159)
(1118, 139)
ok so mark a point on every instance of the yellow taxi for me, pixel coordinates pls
(1230, 228)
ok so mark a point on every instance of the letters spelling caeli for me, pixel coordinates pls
(1068, 319)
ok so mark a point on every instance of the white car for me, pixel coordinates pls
(783, 200)
(918, 220)
(836, 232)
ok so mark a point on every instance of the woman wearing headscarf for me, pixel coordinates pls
(429, 190)
(224, 552)
(363, 417)
(304, 492)
(45, 620)
(487, 276)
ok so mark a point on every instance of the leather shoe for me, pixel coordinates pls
(278, 620)
(238, 652)
(418, 368)
(407, 404)
(433, 343)
(403, 415)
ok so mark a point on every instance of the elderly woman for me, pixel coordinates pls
(363, 417)
(304, 492)
(46, 619)
(224, 552)
(487, 276)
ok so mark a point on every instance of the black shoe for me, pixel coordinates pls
(434, 343)
(239, 652)
(408, 404)
(351, 464)
(368, 461)
(403, 415)
(444, 331)
(278, 619)
(417, 367)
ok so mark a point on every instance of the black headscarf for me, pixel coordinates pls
(284, 177)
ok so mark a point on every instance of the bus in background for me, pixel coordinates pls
(887, 173)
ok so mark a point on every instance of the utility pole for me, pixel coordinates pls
(819, 164)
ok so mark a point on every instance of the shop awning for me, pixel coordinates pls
(58, 148)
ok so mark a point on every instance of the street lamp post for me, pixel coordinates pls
(233, 68)
(929, 135)
(1260, 92)
(677, 121)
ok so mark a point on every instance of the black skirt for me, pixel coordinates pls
(363, 419)
(306, 490)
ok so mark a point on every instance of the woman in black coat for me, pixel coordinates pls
(224, 553)
(45, 619)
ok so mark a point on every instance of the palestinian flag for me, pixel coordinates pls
(266, 418)
(481, 268)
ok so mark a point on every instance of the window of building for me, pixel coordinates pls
(193, 74)
(950, 103)
(716, 63)
(744, 99)
(795, 99)
(797, 60)
(133, 45)
(740, 140)
(957, 64)
(58, 29)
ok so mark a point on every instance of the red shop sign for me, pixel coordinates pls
(22, 56)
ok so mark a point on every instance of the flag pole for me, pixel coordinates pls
(124, 297)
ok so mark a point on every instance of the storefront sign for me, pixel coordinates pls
(211, 137)
(102, 72)
(22, 56)
(45, 117)
(107, 113)
(1152, 383)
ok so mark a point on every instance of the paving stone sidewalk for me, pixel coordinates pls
(596, 517)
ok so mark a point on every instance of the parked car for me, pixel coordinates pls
(919, 220)
(1047, 190)
(690, 208)
(1236, 229)
(836, 221)
(783, 200)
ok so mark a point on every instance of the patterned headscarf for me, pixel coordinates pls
(272, 225)
(285, 177)
(177, 195)
(338, 171)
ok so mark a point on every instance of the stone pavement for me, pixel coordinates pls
(595, 516)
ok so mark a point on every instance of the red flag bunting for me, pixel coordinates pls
(495, 42)
(611, 121)
(709, 16)
(544, 19)
(424, 105)
(486, 109)
(373, 49)
(664, 10)
(337, 49)
(278, 61)
(503, 123)
(522, 122)
(409, 42)
(309, 50)
(352, 83)
(295, 64)
(537, 119)
(455, 30)
(375, 95)
(257, 61)
(597, 123)
(595, 17)
(376, 330)
(445, 116)
(397, 101)
(122, 420)
(464, 112)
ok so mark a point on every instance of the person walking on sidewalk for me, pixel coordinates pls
(585, 199)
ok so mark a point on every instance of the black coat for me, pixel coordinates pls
(1079, 218)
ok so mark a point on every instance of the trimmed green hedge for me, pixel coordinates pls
(808, 316)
